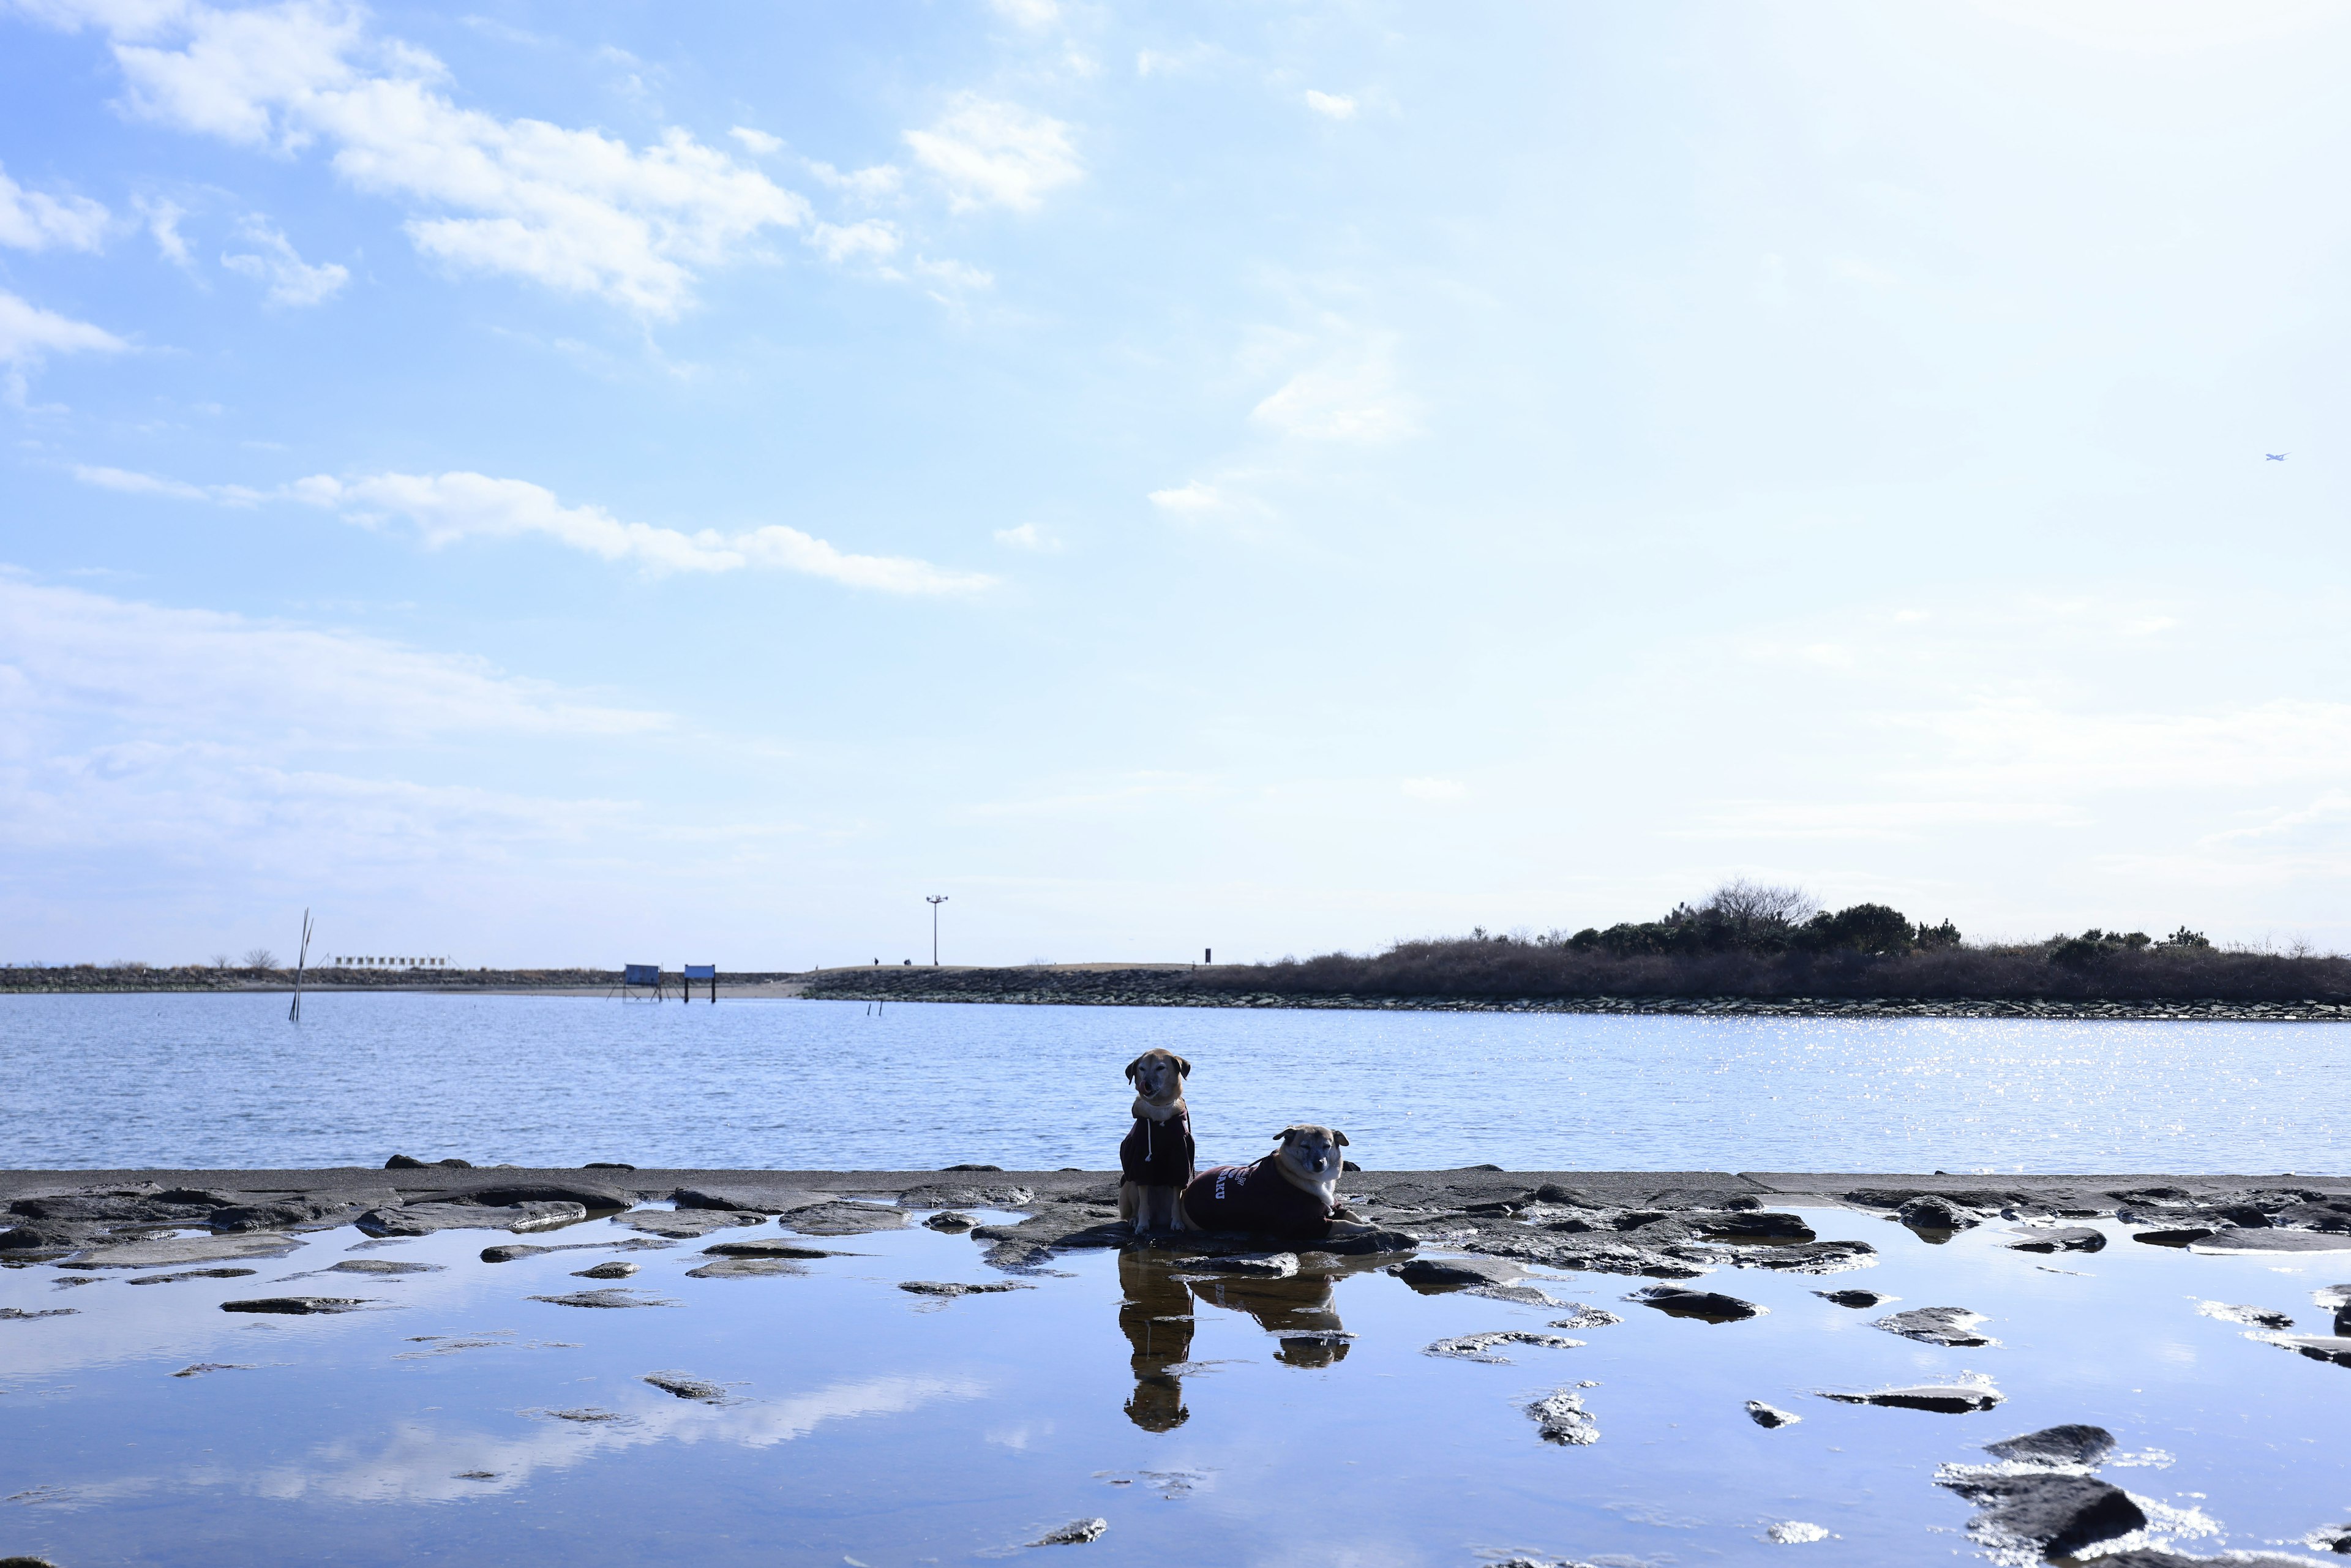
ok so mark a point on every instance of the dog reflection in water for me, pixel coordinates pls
(1156, 1314)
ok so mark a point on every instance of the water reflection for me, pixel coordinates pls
(1155, 1311)
(1157, 1291)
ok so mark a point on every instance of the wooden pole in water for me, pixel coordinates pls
(301, 957)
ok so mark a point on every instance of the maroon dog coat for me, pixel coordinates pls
(1158, 1154)
(1255, 1198)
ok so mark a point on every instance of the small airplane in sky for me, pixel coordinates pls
(2274, 457)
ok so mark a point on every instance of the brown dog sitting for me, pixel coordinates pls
(1155, 1161)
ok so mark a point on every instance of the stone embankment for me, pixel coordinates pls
(1169, 986)
(94, 978)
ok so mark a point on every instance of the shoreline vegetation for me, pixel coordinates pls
(1745, 949)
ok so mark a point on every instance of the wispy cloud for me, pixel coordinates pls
(291, 280)
(1028, 537)
(1337, 106)
(989, 153)
(28, 332)
(573, 210)
(1350, 397)
(34, 220)
(1190, 499)
(163, 220)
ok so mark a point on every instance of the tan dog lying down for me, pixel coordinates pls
(1155, 1161)
(1293, 1192)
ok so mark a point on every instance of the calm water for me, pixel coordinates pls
(225, 1081)
(864, 1425)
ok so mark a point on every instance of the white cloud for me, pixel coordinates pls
(1189, 500)
(1434, 789)
(1028, 13)
(163, 224)
(989, 153)
(28, 332)
(1353, 400)
(576, 210)
(448, 507)
(871, 239)
(1337, 106)
(129, 482)
(1028, 537)
(34, 220)
(758, 141)
(876, 183)
(291, 280)
(953, 279)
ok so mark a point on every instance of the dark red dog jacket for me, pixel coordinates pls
(1255, 1198)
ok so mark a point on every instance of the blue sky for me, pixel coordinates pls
(578, 483)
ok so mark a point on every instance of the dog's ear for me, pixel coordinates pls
(1289, 1131)
(1181, 1066)
(1339, 1136)
(1134, 1067)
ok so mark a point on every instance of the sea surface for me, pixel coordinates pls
(226, 1082)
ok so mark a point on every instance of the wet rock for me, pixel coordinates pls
(1858, 1299)
(1431, 1274)
(1249, 1265)
(685, 1386)
(1761, 1226)
(966, 1195)
(608, 1166)
(2073, 1443)
(1931, 1213)
(405, 1163)
(2333, 1538)
(381, 1266)
(1953, 1326)
(512, 1251)
(592, 1196)
(18, 1314)
(838, 1218)
(191, 1274)
(951, 1223)
(1764, 1415)
(2324, 1214)
(426, 1218)
(302, 1212)
(297, 1306)
(612, 1268)
(687, 1224)
(970, 1167)
(1585, 1317)
(2149, 1557)
(1794, 1532)
(198, 1368)
(2252, 1317)
(2317, 1347)
(737, 1201)
(587, 1415)
(767, 1247)
(1077, 1532)
(106, 1208)
(612, 1296)
(2177, 1238)
(1955, 1399)
(1707, 1306)
(26, 1563)
(745, 1268)
(1561, 1419)
(1480, 1346)
(43, 1238)
(2065, 1239)
(949, 1291)
(1804, 1258)
(2234, 1241)
(1599, 1254)
(2057, 1515)
(164, 1252)
(70, 1280)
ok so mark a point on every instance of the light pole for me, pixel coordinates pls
(935, 902)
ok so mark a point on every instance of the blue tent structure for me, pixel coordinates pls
(701, 972)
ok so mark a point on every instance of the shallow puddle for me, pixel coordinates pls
(822, 1414)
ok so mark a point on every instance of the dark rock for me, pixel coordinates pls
(426, 1218)
(198, 1368)
(585, 1414)
(838, 1218)
(950, 1291)
(297, 1306)
(2055, 1515)
(612, 1268)
(737, 1201)
(2172, 1238)
(685, 1387)
(2331, 1215)
(950, 1222)
(512, 1251)
(1757, 1227)
(965, 1194)
(191, 1274)
(2252, 1317)
(403, 1163)
(1597, 1255)
(593, 1196)
(166, 1251)
(2149, 1557)
(1803, 1258)
(686, 1224)
(612, 1296)
(1707, 1306)
(48, 1236)
(766, 1248)
(105, 1209)
(455, 1164)
(1954, 1400)
(1561, 1419)
(1427, 1275)
(1859, 1300)
(1953, 1326)
(1480, 1346)
(2336, 1538)
(2317, 1347)
(2262, 1241)
(2071, 1444)
(381, 1266)
(2067, 1238)
(1585, 1317)
(1077, 1532)
(18, 1314)
(608, 1166)
(309, 1212)
(1252, 1265)
(1551, 1192)
(1770, 1415)
(26, 1563)
(971, 1167)
(745, 1268)
(1931, 1212)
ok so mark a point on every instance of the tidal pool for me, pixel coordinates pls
(1201, 1418)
